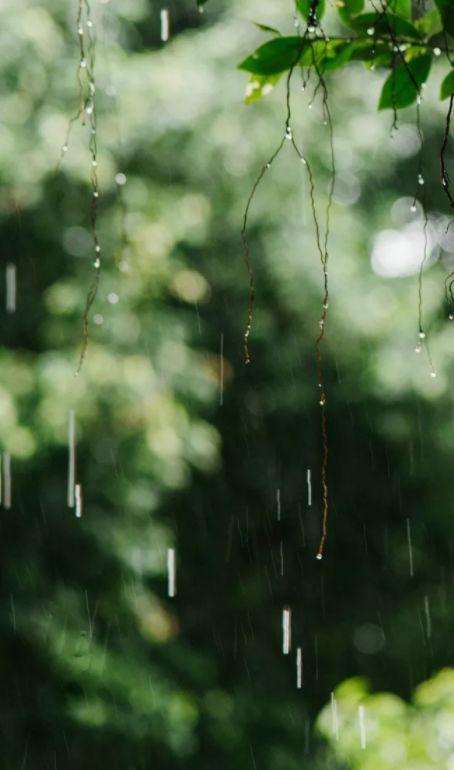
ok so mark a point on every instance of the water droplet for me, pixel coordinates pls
(437, 51)
(433, 374)
(98, 248)
(370, 30)
(65, 148)
(418, 349)
(120, 179)
(319, 556)
(420, 179)
(97, 263)
(422, 335)
(113, 298)
(98, 319)
(288, 133)
(413, 208)
(82, 63)
(451, 317)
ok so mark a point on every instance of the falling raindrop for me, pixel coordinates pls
(171, 573)
(309, 487)
(334, 717)
(299, 668)
(7, 496)
(362, 726)
(78, 499)
(221, 371)
(428, 617)
(410, 548)
(71, 458)
(11, 288)
(164, 25)
(286, 630)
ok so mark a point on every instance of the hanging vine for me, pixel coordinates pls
(86, 115)
(395, 35)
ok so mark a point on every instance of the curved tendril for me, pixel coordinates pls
(244, 229)
(246, 252)
(422, 336)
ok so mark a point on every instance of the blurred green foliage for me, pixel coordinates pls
(419, 734)
(99, 668)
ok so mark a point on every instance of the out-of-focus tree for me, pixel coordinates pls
(369, 731)
(98, 665)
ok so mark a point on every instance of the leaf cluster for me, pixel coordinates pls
(393, 36)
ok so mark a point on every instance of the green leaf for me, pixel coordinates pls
(338, 53)
(383, 23)
(266, 28)
(399, 89)
(260, 86)
(305, 6)
(349, 8)
(447, 87)
(430, 24)
(400, 8)
(325, 55)
(446, 8)
(275, 56)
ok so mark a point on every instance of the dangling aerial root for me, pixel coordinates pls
(86, 113)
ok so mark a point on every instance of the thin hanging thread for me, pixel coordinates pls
(322, 249)
(244, 229)
(86, 113)
(324, 256)
(420, 181)
(421, 333)
(449, 282)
